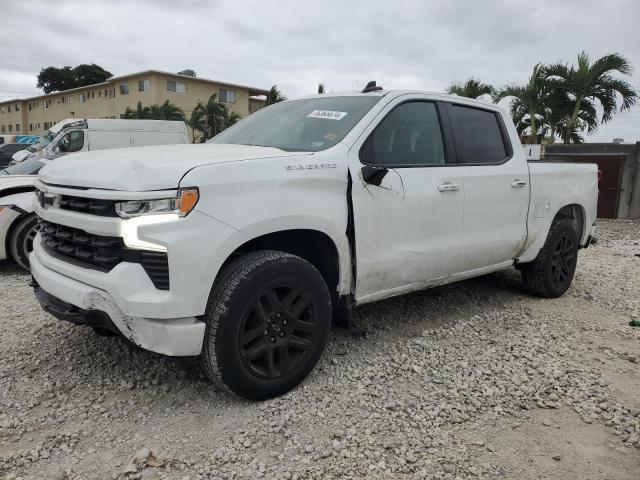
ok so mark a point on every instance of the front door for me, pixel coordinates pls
(407, 202)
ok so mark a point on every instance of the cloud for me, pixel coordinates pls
(401, 44)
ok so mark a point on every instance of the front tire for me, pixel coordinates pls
(21, 240)
(551, 273)
(268, 320)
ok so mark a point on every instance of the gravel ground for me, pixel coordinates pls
(472, 380)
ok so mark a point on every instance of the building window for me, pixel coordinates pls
(17, 127)
(124, 89)
(143, 85)
(38, 125)
(82, 98)
(8, 108)
(29, 107)
(227, 96)
(17, 107)
(46, 104)
(177, 87)
(10, 127)
(112, 93)
(99, 93)
(2, 109)
(3, 129)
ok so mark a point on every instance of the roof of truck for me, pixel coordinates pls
(397, 93)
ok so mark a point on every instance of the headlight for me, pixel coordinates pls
(180, 205)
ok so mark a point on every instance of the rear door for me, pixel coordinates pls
(407, 200)
(496, 188)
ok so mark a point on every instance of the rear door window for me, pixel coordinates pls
(478, 136)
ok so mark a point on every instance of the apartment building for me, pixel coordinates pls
(32, 116)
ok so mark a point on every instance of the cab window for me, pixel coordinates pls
(408, 136)
(71, 142)
(478, 135)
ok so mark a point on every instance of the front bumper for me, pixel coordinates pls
(71, 300)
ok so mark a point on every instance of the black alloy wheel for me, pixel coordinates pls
(267, 323)
(550, 274)
(563, 261)
(278, 330)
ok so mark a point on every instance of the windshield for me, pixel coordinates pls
(42, 142)
(30, 166)
(311, 125)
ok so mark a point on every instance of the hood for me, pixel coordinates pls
(140, 169)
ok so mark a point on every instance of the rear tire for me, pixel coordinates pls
(551, 273)
(21, 240)
(268, 320)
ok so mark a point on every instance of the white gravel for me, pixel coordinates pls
(472, 380)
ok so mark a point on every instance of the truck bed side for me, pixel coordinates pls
(553, 187)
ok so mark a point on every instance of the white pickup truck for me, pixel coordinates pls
(240, 251)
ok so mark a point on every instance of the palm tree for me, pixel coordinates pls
(530, 104)
(166, 111)
(274, 96)
(472, 88)
(139, 113)
(588, 84)
(211, 118)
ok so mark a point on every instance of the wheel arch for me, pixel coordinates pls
(314, 246)
(539, 226)
(575, 213)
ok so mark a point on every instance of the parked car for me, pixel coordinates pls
(39, 143)
(240, 251)
(18, 223)
(7, 150)
(28, 139)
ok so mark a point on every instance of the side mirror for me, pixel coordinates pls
(373, 175)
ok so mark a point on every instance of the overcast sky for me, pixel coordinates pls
(297, 44)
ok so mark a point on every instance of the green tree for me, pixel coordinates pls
(54, 79)
(585, 86)
(274, 96)
(472, 88)
(211, 118)
(166, 111)
(530, 108)
(139, 113)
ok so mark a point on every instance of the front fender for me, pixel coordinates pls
(23, 201)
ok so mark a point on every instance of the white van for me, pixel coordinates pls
(97, 134)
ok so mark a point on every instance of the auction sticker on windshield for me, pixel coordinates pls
(328, 114)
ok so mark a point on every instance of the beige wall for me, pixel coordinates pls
(100, 101)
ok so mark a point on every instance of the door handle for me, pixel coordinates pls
(448, 187)
(519, 183)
